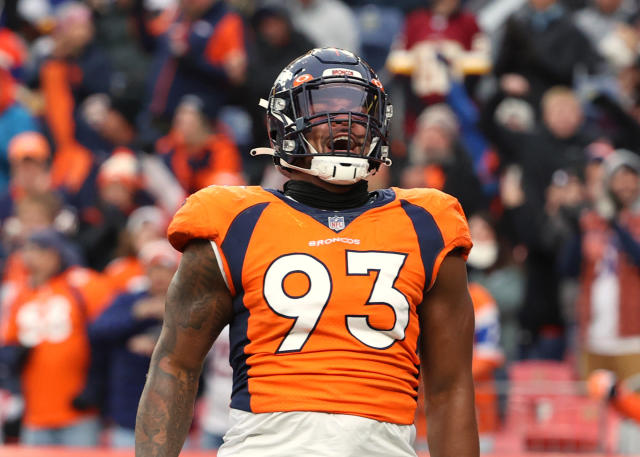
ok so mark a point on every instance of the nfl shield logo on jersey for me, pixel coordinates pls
(336, 223)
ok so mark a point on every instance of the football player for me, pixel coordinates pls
(336, 297)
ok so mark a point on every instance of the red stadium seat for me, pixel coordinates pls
(548, 410)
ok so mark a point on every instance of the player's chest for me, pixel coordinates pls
(362, 283)
(374, 256)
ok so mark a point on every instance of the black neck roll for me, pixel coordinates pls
(317, 197)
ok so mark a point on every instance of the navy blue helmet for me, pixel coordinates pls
(337, 89)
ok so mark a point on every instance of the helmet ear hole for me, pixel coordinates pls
(276, 132)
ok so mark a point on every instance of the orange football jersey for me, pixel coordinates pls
(51, 320)
(126, 274)
(325, 302)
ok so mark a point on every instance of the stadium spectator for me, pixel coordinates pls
(203, 53)
(613, 105)
(541, 48)
(439, 42)
(48, 321)
(436, 36)
(119, 191)
(537, 230)
(32, 213)
(107, 122)
(197, 155)
(608, 25)
(276, 43)
(558, 142)
(506, 110)
(14, 117)
(76, 69)
(121, 42)
(487, 357)
(439, 161)
(492, 265)
(609, 255)
(126, 272)
(129, 328)
(29, 157)
(327, 23)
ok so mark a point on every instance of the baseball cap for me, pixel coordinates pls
(159, 253)
(621, 158)
(29, 145)
(121, 167)
(598, 150)
(439, 115)
(147, 215)
(51, 239)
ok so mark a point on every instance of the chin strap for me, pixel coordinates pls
(262, 152)
(336, 170)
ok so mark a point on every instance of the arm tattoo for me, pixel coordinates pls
(198, 307)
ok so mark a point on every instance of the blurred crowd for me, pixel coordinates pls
(113, 111)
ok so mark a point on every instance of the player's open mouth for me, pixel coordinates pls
(343, 143)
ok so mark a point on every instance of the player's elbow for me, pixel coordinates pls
(457, 399)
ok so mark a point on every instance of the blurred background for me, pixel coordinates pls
(113, 111)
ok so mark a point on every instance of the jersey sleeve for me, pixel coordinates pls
(208, 213)
(443, 231)
(454, 229)
(191, 222)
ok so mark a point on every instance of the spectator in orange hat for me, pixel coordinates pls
(29, 156)
(29, 145)
(129, 328)
(196, 154)
(118, 179)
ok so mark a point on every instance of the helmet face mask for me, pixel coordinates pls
(328, 116)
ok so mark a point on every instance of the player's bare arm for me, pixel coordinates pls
(447, 326)
(197, 309)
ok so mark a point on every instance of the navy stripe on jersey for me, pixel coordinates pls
(380, 197)
(430, 238)
(234, 248)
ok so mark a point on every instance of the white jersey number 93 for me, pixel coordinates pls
(307, 308)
